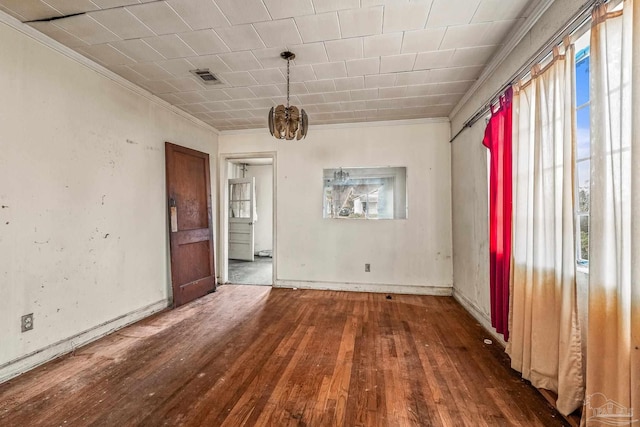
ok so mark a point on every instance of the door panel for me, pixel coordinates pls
(241, 218)
(191, 230)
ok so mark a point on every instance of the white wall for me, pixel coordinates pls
(469, 164)
(83, 237)
(412, 255)
(263, 229)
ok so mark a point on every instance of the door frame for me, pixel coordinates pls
(223, 202)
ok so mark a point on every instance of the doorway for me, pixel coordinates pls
(248, 213)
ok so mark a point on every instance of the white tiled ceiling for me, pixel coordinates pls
(356, 60)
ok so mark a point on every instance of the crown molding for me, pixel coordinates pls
(349, 125)
(514, 38)
(47, 41)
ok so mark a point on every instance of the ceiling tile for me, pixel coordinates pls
(122, 23)
(380, 80)
(279, 9)
(364, 94)
(238, 105)
(212, 62)
(330, 70)
(322, 27)
(160, 17)
(360, 22)
(31, 10)
(240, 78)
(66, 7)
(392, 92)
(177, 67)
(422, 40)
(405, 16)
(127, 73)
(240, 37)
(320, 86)
(199, 14)
(240, 61)
(151, 71)
(269, 76)
(170, 46)
(452, 87)
(397, 63)
(434, 59)
(185, 84)
(362, 67)
(137, 49)
(302, 73)
(265, 91)
(349, 83)
(262, 103)
(499, 10)
(497, 31)
(310, 53)
(344, 96)
(239, 93)
(58, 34)
(461, 36)
(172, 99)
(106, 55)
(314, 98)
(216, 106)
(107, 4)
(270, 57)
(454, 74)
(86, 29)
(278, 33)
(215, 95)
(412, 78)
(204, 42)
(244, 11)
(191, 97)
(341, 50)
(382, 45)
(472, 56)
(332, 5)
(158, 86)
(443, 15)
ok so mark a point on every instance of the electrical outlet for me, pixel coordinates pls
(27, 322)
(367, 268)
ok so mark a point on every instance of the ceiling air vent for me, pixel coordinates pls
(206, 76)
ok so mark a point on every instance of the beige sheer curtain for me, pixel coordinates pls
(545, 342)
(613, 344)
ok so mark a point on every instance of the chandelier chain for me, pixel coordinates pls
(288, 83)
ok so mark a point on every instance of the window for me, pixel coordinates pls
(583, 152)
(365, 193)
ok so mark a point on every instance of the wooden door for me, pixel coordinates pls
(190, 229)
(241, 218)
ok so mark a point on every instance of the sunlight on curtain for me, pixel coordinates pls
(613, 344)
(545, 342)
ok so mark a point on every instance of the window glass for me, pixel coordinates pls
(365, 193)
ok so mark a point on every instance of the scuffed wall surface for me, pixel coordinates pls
(83, 232)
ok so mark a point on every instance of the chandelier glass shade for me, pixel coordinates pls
(288, 122)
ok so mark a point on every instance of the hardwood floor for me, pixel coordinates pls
(256, 356)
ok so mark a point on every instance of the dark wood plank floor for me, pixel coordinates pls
(255, 356)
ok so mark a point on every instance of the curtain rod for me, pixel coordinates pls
(576, 21)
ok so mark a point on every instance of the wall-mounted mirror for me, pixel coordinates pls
(365, 193)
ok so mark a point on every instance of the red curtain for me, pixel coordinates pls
(497, 138)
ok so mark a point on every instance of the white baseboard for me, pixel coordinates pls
(366, 287)
(29, 361)
(479, 315)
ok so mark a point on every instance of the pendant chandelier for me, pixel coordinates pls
(288, 122)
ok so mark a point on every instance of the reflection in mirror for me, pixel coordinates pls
(365, 193)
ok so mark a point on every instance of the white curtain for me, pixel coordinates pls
(545, 343)
(613, 343)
